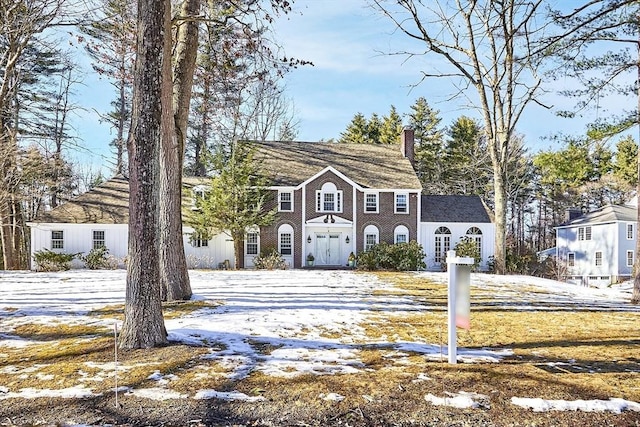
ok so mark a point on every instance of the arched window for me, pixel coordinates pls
(285, 240)
(475, 234)
(401, 234)
(371, 236)
(329, 198)
(442, 244)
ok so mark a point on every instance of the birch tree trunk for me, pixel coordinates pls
(143, 323)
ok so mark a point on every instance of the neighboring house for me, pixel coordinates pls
(448, 219)
(598, 248)
(332, 199)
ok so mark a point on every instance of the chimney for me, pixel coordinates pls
(572, 213)
(407, 145)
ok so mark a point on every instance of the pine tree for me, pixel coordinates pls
(425, 122)
(391, 127)
(356, 132)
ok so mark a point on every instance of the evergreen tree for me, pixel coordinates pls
(356, 132)
(374, 126)
(391, 128)
(236, 199)
(425, 122)
(626, 160)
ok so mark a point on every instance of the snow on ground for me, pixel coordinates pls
(294, 312)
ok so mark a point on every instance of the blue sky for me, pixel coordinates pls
(347, 41)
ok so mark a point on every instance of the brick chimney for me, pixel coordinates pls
(407, 145)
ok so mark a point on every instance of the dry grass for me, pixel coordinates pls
(558, 354)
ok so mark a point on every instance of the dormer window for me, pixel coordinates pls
(285, 201)
(199, 193)
(329, 198)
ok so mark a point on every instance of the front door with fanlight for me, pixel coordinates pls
(328, 249)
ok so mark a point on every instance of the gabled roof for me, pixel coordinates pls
(454, 208)
(608, 213)
(374, 166)
(107, 203)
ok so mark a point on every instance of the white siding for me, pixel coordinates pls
(458, 230)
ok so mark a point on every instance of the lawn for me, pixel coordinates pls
(320, 348)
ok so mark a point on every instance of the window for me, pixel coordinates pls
(630, 231)
(371, 203)
(402, 203)
(285, 201)
(329, 198)
(571, 259)
(598, 258)
(198, 194)
(198, 241)
(251, 243)
(584, 233)
(401, 234)
(57, 239)
(98, 239)
(370, 236)
(475, 234)
(629, 258)
(442, 243)
(285, 239)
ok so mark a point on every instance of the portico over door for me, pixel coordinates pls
(328, 249)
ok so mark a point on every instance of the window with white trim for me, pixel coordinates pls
(598, 258)
(285, 201)
(329, 198)
(98, 239)
(584, 233)
(630, 231)
(371, 203)
(401, 203)
(401, 234)
(442, 243)
(630, 256)
(198, 241)
(57, 239)
(251, 243)
(285, 239)
(475, 234)
(571, 259)
(371, 236)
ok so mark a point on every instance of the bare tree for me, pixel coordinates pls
(486, 47)
(152, 110)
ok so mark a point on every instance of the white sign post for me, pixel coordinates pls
(459, 269)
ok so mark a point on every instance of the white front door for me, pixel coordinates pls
(328, 249)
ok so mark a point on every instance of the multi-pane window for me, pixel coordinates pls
(285, 201)
(98, 239)
(370, 236)
(571, 259)
(285, 244)
(401, 234)
(629, 258)
(598, 258)
(198, 241)
(371, 202)
(442, 243)
(402, 203)
(584, 233)
(329, 198)
(630, 231)
(475, 234)
(57, 239)
(252, 243)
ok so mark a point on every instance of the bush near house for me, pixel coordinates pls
(98, 259)
(47, 260)
(398, 257)
(269, 259)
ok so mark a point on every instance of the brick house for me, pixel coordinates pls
(332, 199)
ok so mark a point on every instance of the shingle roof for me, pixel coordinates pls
(107, 203)
(368, 165)
(608, 213)
(454, 208)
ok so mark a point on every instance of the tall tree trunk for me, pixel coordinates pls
(174, 274)
(635, 297)
(143, 323)
(500, 200)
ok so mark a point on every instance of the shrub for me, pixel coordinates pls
(269, 259)
(47, 260)
(398, 257)
(98, 259)
(467, 247)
